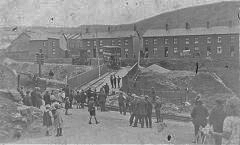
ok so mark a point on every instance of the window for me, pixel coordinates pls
(88, 43)
(196, 48)
(146, 42)
(53, 51)
(174, 40)
(196, 40)
(175, 49)
(101, 43)
(126, 42)
(44, 43)
(219, 50)
(232, 51)
(126, 53)
(89, 51)
(187, 40)
(154, 50)
(95, 43)
(166, 52)
(165, 41)
(186, 51)
(155, 41)
(219, 39)
(208, 51)
(119, 42)
(113, 42)
(53, 43)
(209, 40)
(232, 39)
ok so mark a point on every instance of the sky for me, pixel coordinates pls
(72, 13)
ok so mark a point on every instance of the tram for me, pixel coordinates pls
(112, 56)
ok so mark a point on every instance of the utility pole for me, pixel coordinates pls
(40, 61)
(97, 49)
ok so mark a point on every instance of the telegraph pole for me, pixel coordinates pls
(40, 61)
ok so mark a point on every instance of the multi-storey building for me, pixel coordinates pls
(218, 42)
(27, 44)
(93, 42)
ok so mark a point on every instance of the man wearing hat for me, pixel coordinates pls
(149, 112)
(92, 110)
(121, 103)
(216, 120)
(132, 109)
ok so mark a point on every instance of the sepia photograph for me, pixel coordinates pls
(120, 72)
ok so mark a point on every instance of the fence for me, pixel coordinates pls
(86, 77)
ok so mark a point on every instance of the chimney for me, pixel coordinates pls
(208, 24)
(166, 27)
(187, 25)
(109, 28)
(230, 23)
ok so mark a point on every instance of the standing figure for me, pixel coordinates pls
(83, 99)
(51, 74)
(47, 98)
(199, 116)
(132, 110)
(92, 110)
(27, 99)
(121, 101)
(149, 112)
(118, 81)
(48, 119)
(58, 121)
(78, 99)
(143, 112)
(34, 97)
(89, 94)
(216, 119)
(114, 82)
(137, 115)
(38, 98)
(67, 105)
(71, 96)
(197, 67)
(102, 99)
(158, 106)
(106, 88)
(111, 80)
(153, 95)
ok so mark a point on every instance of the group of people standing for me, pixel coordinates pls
(140, 109)
(224, 119)
(115, 81)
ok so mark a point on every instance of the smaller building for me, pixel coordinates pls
(27, 44)
(93, 42)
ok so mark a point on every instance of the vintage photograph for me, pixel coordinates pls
(120, 72)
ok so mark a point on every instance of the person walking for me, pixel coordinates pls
(111, 80)
(71, 96)
(118, 81)
(197, 66)
(58, 121)
(89, 93)
(199, 116)
(121, 104)
(149, 112)
(216, 119)
(92, 110)
(48, 119)
(231, 125)
(114, 81)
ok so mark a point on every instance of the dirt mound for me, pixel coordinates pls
(157, 69)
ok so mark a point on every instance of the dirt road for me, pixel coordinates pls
(113, 128)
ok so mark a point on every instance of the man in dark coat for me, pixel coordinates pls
(199, 116)
(143, 112)
(111, 80)
(102, 99)
(34, 97)
(67, 91)
(89, 93)
(38, 98)
(149, 112)
(106, 88)
(216, 119)
(197, 67)
(47, 98)
(71, 96)
(132, 110)
(114, 81)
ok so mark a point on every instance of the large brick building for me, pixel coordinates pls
(218, 42)
(91, 42)
(27, 44)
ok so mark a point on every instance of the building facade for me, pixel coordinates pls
(220, 42)
(27, 44)
(94, 42)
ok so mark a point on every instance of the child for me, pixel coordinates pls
(67, 105)
(58, 121)
(92, 110)
(47, 119)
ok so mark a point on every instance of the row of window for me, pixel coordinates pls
(113, 42)
(187, 40)
(209, 51)
(45, 44)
